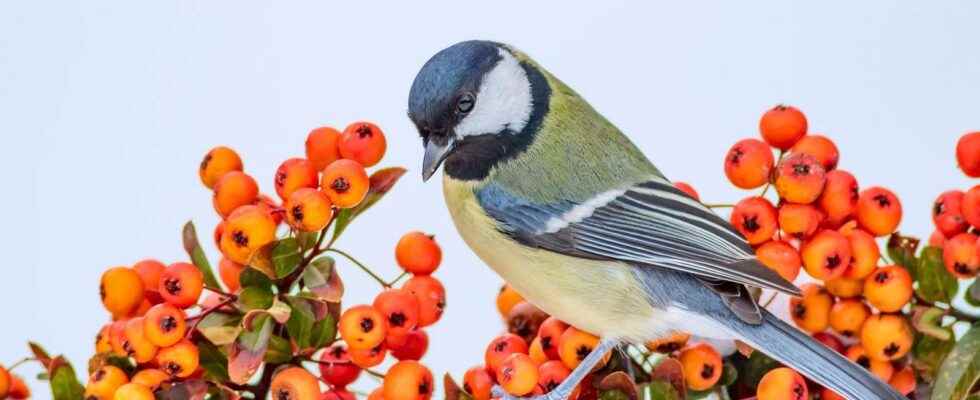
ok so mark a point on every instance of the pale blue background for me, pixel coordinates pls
(107, 107)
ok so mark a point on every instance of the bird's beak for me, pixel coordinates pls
(435, 154)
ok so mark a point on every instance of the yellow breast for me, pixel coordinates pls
(600, 297)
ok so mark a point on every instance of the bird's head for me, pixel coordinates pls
(475, 104)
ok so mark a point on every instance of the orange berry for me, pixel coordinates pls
(886, 337)
(121, 290)
(219, 161)
(431, 297)
(903, 381)
(18, 389)
(968, 154)
(6, 381)
(321, 147)
(947, 213)
(702, 366)
(400, 310)
(416, 343)
(961, 255)
(135, 342)
(819, 147)
(551, 374)
(336, 367)
(337, 394)
(363, 142)
(308, 210)
(882, 369)
(755, 218)
(782, 126)
(937, 239)
(847, 316)
(879, 211)
(362, 327)
(864, 254)
(781, 257)
(517, 374)
(117, 336)
(246, 231)
(800, 179)
(367, 358)
(971, 206)
(408, 380)
(669, 344)
(418, 253)
(537, 352)
(748, 164)
(845, 288)
(345, 182)
(219, 229)
(811, 311)
(234, 190)
(295, 383)
(524, 320)
(164, 325)
(782, 384)
(102, 342)
(293, 174)
(550, 333)
(151, 378)
(688, 189)
(574, 345)
(133, 391)
(102, 384)
(230, 272)
(507, 298)
(501, 347)
(478, 383)
(799, 220)
(827, 255)
(181, 284)
(889, 288)
(149, 271)
(267, 204)
(839, 199)
(180, 360)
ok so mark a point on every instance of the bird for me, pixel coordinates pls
(571, 214)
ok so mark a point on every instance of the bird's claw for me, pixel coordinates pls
(499, 393)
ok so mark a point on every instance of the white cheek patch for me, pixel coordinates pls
(503, 101)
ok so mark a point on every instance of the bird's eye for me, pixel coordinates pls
(465, 103)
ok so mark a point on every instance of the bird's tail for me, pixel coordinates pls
(818, 362)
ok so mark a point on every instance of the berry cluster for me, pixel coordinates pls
(956, 215)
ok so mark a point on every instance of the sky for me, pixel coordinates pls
(106, 109)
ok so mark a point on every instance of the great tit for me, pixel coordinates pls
(573, 216)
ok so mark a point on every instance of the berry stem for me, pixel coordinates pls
(374, 373)
(769, 182)
(361, 266)
(398, 278)
(720, 205)
(20, 362)
(200, 317)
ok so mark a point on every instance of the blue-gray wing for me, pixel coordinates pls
(651, 223)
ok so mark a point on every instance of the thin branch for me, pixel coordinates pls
(226, 294)
(200, 317)
(361, 266)
(375, 374)
(721, 205)
(398, 278)
(20, 362)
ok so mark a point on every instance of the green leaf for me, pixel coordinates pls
(195, 389)
(324, 332)
(102, 359)
(213, 361)
(928, 321)
(961, 368)
(307, 240)
(300, 324)
(321, 278)
(755, 367)
(972, 295)
(453, 391)
(220, 328)
(249, 349)
(64, 382)
(662, 390)
(256, 298)
(280, 311)
(614, 394)
(929, 352)
(935, 282)
(279, 351)
(901, 250)
(253, 277)
(728, 375)
(286, 256)
(200, 260)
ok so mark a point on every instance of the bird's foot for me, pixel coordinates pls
(499, 393)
